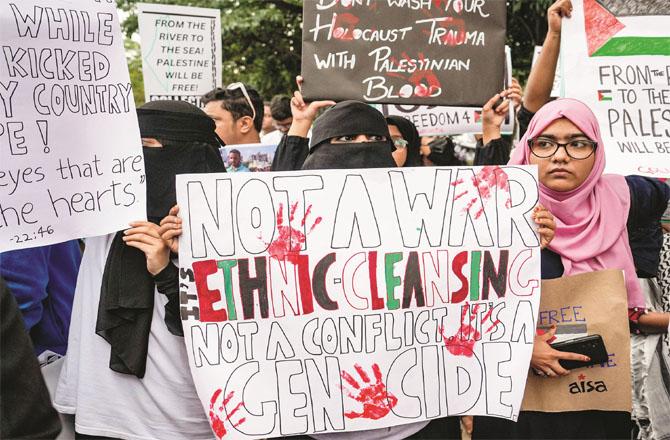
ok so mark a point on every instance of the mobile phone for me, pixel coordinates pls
(591, 346)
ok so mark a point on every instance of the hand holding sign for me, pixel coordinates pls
(303, 113)
(170, 229)
(555, 14)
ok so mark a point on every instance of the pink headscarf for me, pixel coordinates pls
(591, 232)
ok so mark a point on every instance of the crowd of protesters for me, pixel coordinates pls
(110, 316)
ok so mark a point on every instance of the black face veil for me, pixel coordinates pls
(189, 145)
(345, 119)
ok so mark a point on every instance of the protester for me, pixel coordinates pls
(268, 126)
(237, 112)
(235, 164)
(651, 356)
(42, 280)
(573, 186)
(406, 141)
(126, 374)
(280, 108)
(294, 147)
(25, 407)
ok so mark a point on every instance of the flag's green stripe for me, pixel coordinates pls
(628, 46)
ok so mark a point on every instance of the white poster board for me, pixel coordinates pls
(447, 121)
(618, 63)
(344, 300)
(71, 162)
(181, 51)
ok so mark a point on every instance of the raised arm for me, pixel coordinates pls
(541, 79)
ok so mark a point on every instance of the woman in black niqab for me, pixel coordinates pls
(185, 142)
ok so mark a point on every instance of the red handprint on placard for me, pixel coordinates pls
(463, 342)
(376, 400)
(216, 415)
(289, 241)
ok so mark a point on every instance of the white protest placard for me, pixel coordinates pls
(556, 88)
(616, 59)
(181, 51)
(446, 121)
(71, 162)
(344, 300)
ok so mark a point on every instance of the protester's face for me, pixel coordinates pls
(560, 172)
(284, 125)
(357, 139)
(400, 154)
(225, 123)
(234, 159)
(268, 122)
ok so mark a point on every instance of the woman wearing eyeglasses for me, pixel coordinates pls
(593, 213)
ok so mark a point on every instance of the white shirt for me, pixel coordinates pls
(163, 405)
(272, 138)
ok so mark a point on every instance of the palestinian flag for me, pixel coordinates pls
(604, 95)
(478, 116)
(607, 21)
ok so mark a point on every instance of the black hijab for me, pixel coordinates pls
(411, 135)
(442, 152)
(345, 119)
(190, 145)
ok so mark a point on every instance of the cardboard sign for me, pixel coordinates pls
(404, 51)
(587, 304)
(444, 121)
(181, 51)
(71, 162)
(619, 64)
(344, 300)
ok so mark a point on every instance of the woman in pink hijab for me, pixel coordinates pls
(593, 213)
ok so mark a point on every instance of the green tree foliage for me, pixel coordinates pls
(262, 39)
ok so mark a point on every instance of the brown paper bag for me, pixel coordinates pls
(590, 303)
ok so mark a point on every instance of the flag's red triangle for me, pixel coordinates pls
(600, 25)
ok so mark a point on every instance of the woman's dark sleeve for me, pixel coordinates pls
(523, 117)
(648, 201)
(290, 154)
(496, 152)
(167, 283)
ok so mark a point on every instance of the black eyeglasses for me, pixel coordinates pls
(578, 149)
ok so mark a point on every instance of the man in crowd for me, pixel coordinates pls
(237, 112)
(268, 123)
(235, 164)
(280, 107)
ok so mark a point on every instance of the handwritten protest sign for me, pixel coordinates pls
(344, 300)
(71, 163)
(443, 121)
(582, 305)
(181, 51)
(404, 52)
(618, 63)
